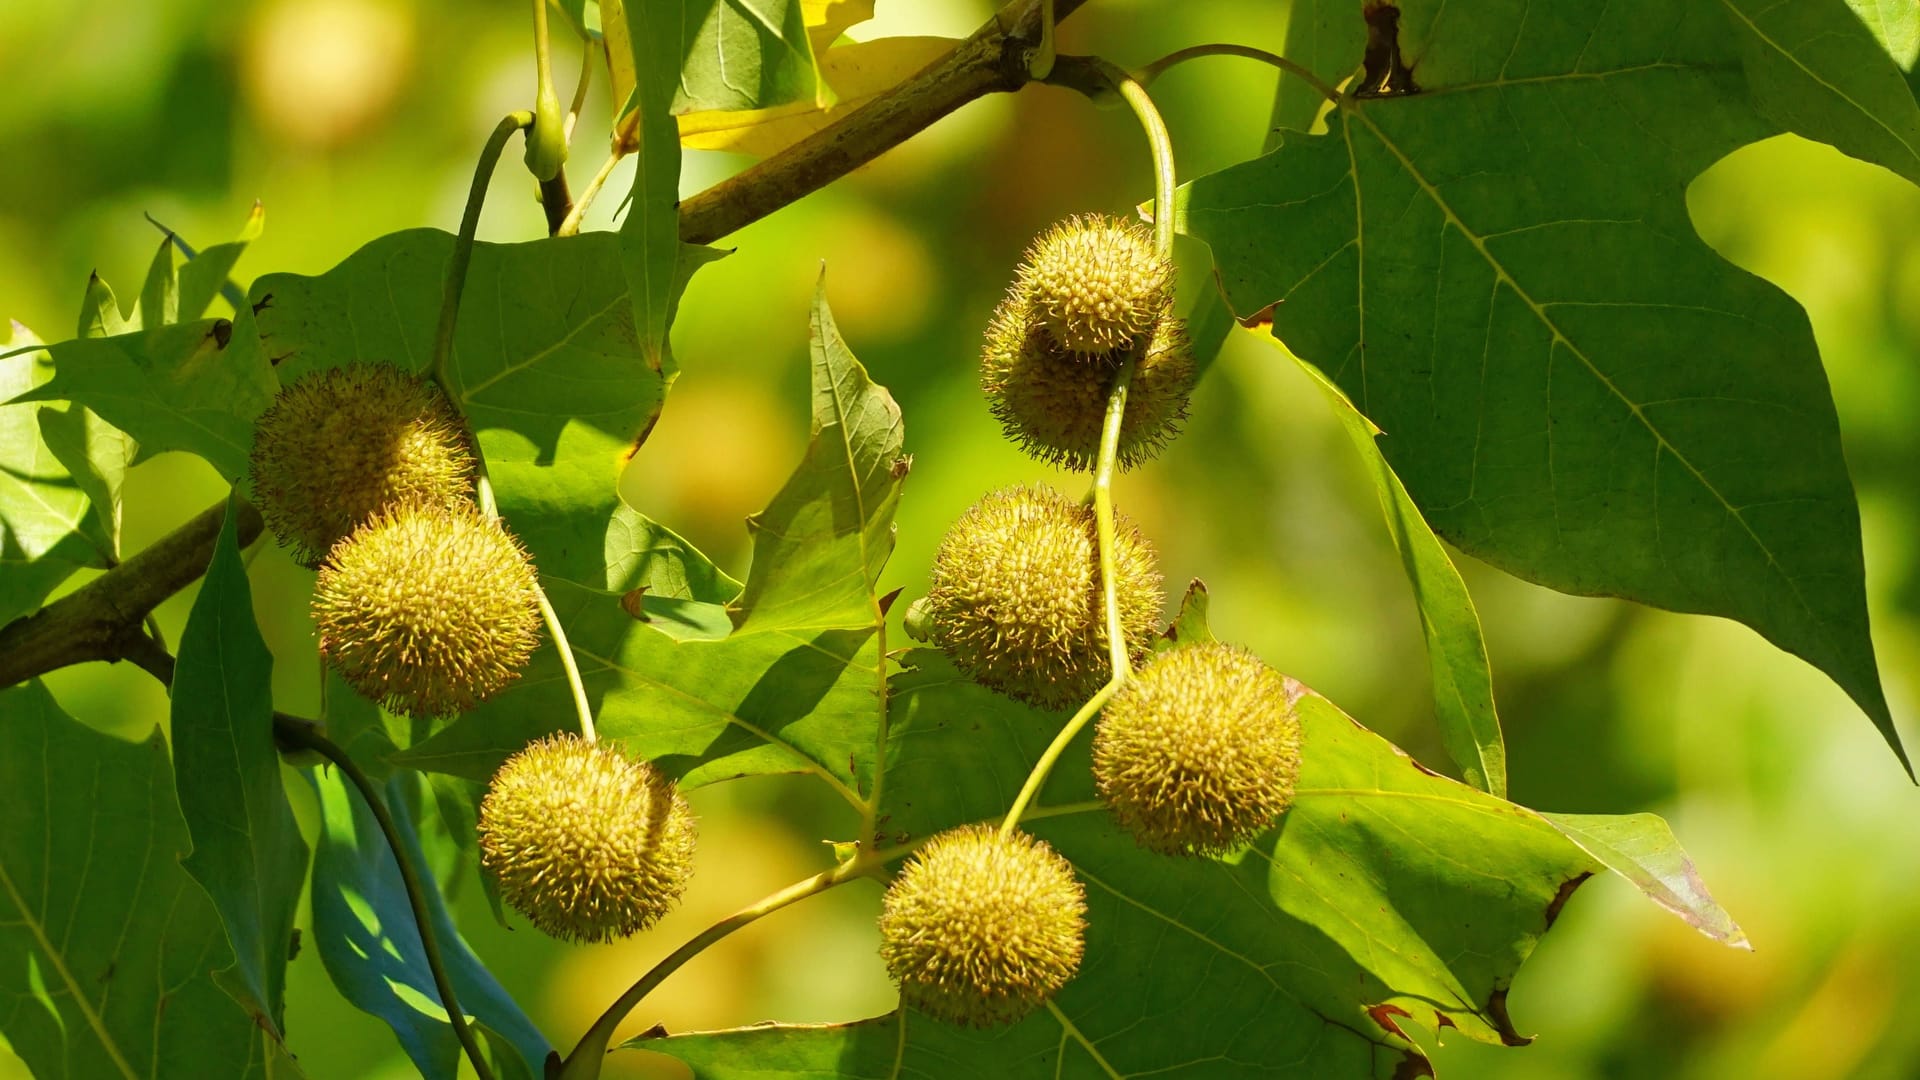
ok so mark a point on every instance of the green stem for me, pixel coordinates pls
(1161, 144)
(1146, 75)
(1042, 768)
(572, 224)
(580, 92)
(542, 52)
(567, 661)
(585, 1060)
(1104, 519)
(456, 279)
(307, 738)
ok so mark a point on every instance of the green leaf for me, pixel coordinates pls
(744, 54)
(1456, 652)
(205, 275)
(1327, 38)
(1816, 70)
(247, 850)
(819, 547)
(857, 72)
(96, 455)
(1190, 625)
(1642, 849)
(160, 295)
(364, 931)
(1386, 892)
(188, 386)
(1501, 274)
(112, 944)
(1892, 24)
(792, 688)
(100, 312)
(47, 525)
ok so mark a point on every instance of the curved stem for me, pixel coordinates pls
(1160, 143)
(1042, 768)
(542, 51)
(463, 248)
(580, 92)
(306, 738)
(1152, 71)
(572, 224)
(1103, 517)
(584, 1062)
(567, 661)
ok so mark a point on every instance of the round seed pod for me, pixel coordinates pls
(586, 842)
(1016, 601)
(1198, 752)
(1096, 282)
(1054, 403)
(340, 445)
(980, 929)
(428, 610)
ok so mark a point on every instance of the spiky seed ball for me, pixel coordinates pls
(1096, 282)
(1016, 602)
(340, 445)
(428, 610)
(587, 843)
(1198, 752)
(1053, 403)
(980, 929)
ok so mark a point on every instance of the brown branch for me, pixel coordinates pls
(102, 619)
(993, 59)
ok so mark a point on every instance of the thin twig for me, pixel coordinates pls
(584, 1062)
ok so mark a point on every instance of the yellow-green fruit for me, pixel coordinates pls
(428, 610)
(1016, 598)
(1096, 282)
(587, 843)
(1054, 403)
(340, 445)
(1198, 752)
(980, 929)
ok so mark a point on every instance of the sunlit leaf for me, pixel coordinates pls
(47, 525)
(1642, 849)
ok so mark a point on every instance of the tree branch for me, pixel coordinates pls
(994, 59)
(102, 619)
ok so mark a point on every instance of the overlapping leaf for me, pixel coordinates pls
(364, 931)
(1572, 385)
(48, 525)
(792, 688)
(113, 945)
(247, 849)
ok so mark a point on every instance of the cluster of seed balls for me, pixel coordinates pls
(1195, 754)
(428, 606)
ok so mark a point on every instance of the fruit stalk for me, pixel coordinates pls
(463, 248)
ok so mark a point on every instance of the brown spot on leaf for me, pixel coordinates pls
(1259, 320)
(1384, 1014)
(1386, 71)
(886, 602)
(221, 333)
(1560, 898)
(1412, 1067)
(1502, 1023)
(631, 601)
(900, 466)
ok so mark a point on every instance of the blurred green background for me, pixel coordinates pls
(351, 118)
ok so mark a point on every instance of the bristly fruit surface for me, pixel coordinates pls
(1053, 402)
(428, 610)
(340, 445)
(1199, 751)
(980, 929)
(1096, 282)
(589, 844)
(1016, 601)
